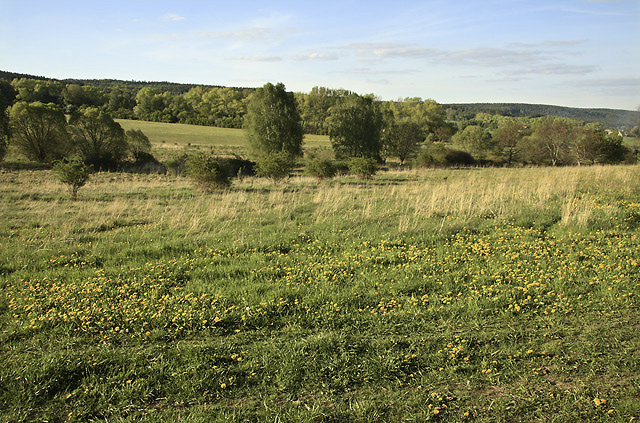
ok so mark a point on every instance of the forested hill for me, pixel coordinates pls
(610, 118)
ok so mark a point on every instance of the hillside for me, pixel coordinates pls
(610, 118)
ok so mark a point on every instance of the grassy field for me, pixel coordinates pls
(428, 295)
(168, 137)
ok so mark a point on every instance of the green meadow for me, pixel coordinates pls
(169, 138)
(477, 295)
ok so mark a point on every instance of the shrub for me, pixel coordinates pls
(432, 156)
(238, 167)
(458, 158)
(207, 172)
(274, 166)
(363, 167)
(320, 167)
(73, 172)
(3, 147)
(176, 166)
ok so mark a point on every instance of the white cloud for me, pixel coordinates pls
(170, 17)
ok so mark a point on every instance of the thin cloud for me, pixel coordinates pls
(621, 82)
(261, 58)
(555, 69)
(247, 34)
(315, 56)
(173, 17)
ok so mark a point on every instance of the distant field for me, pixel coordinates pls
(173, 136)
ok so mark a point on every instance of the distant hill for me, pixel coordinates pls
(610, 118)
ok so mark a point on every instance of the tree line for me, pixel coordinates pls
(47, 120)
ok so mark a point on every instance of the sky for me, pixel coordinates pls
(577, 53)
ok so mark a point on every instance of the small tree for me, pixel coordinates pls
(139, 145)
(208, 173)
(275, 166)
(363, 167)
(72, 172)
(320, 167)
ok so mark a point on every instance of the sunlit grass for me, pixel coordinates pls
(454, 295)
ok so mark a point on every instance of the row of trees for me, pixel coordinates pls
(42, 133)
(358, 126)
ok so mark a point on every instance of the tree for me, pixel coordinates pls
(39, 131)
(7, 95)
(273, 123)
(508, 138)
(402, 138)
(33, 90)
(72, 172)
(139, 144)
(355, 125)
(553, 136)
(475, 140)
(98, 138)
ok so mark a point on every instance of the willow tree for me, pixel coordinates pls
(274, 129)
(39, 131)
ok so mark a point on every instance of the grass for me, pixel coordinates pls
(168, 137)
(425, 295)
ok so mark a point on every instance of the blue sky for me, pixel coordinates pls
(581, 53)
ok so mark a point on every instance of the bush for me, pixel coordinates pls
(73, 172)
(274, 166)
(207, 172)
(238, 167)
(432, 156)
(3, 147)
(320, 167)
(458, 158)
(363, 167)
(176, 166)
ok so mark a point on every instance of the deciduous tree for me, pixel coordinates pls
(39, 131)
(273, 123)
(98, 138)
(355, 125)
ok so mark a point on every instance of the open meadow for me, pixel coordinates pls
(169, 139)
(419, 295)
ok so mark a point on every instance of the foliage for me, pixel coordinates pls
(7, 95)
(320, 167)
(207, 172)
(458, 158)
(139, 144)
(508, 138)
(608, 117)
(431, 155)
(355, 125)
(273, 124)
(275, 166)
(315, 108)
(98, 138)
(401, 139)
(72, 172)
(475, 140)
(363, 167)
(39, 131)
